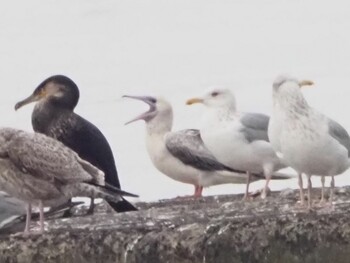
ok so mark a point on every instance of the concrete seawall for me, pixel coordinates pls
(211, 229)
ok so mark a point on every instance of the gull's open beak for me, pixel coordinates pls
(145, 115)
(30, 99)
(194, 100)
(305, 83)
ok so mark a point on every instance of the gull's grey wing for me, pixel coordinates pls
(255, 126)
(45, 158)
(339, 133)
(188, 147)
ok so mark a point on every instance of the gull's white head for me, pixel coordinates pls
(216, 98)
(287, 94)
(159, 109)
(283, 82)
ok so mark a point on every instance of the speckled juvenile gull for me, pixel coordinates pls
(182, 155)
(40, 171)
(307, 140)
(237, 139)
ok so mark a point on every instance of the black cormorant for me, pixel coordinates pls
(53, 115)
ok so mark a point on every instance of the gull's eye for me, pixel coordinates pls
(214, 93)
(153, 100)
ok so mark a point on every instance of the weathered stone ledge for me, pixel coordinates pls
(210, 229)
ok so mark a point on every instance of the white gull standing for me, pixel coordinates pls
(307, 140)
(237, 139)
(182, 155)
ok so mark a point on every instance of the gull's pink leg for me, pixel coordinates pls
(301, 189)
(198, 191)
(195, 190)
(268, 170)
(266, 188)
(41, 211)
(245, 197)
(309, 188)
(332, 191)
(323, 200)
(28, 219)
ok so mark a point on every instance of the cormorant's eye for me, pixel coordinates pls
(41, 92)
(214, 93)
(153, 100)
(38, 91)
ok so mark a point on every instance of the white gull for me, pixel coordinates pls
(308, 141)
(237, 139)
(182, 155)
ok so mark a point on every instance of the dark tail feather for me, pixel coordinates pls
(122, 206)
(257, 176)
(275, 176)
(282, 176)
(115, 199)
(112, 190)
(58, 209)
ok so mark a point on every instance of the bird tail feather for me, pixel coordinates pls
(110, 191)
(118, 203)
(282, 176)
(122, 206)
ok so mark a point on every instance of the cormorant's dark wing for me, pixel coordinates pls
(91, 145)
(88, 141)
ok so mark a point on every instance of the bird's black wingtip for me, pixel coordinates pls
(122, 206)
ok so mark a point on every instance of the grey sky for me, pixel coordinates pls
(175, 49)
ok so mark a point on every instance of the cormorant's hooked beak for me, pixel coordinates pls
(304, 83)
(148, 114)
(30, 99)
(194, 100)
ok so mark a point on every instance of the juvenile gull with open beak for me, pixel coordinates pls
(182, 155)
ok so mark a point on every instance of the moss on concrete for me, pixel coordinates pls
(211, 229)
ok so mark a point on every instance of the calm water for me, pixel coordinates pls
(175, 49)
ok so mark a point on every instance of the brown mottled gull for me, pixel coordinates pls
(40, 170)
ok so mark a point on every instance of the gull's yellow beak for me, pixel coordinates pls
(305, 83)
(193, 101)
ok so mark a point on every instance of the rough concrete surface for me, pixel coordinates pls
(210, 229)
